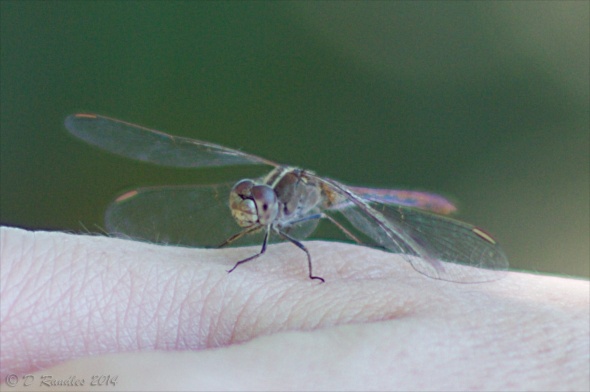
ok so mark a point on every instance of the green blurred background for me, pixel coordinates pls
(486, 102)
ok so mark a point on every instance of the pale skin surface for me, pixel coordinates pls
(166, 318)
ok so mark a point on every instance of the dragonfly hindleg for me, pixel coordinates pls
(322, 215)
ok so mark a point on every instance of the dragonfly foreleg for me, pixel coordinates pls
(264, 242)
(239, 235)
(303, 248)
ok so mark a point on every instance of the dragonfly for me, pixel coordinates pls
(285, 205)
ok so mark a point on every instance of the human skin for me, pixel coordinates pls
(171, 318)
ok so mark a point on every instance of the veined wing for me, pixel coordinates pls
(436, 246)
(175, 215)
(422, 200)
(193, 215)
(148, 145)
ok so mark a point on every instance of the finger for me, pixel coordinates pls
(66, 296)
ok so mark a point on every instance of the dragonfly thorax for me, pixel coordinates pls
(253, 204)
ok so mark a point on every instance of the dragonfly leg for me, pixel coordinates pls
(239, 235)
(321, 215)
(303, 248)
(264, 242)
(344, 229)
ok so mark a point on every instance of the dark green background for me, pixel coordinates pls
(487, 102)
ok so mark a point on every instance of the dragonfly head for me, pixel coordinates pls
(252, 204)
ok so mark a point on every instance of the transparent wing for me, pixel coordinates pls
(134, 141)
(422, 200)
(183, 215)
(436, 246)
(175, 215)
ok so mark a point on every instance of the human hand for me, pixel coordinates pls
(163, 317)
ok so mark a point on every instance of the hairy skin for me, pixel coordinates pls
(170, 318)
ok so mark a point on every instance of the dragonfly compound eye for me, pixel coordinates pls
(242, 205)
(266, 203)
